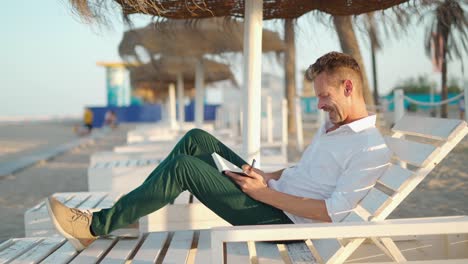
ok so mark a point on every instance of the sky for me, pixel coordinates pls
(48, 57)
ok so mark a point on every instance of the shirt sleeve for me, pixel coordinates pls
(362, 172)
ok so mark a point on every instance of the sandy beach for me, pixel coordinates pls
(444, 192)
(66, 172)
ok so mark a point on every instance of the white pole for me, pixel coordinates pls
(432, 101)
(284, 125)
(399, 101)
(180, 99)
(233, 121)
(466, 103)
(218, 119)
(253, 23)
(172, 107)
(269, 120)
(241, 122)
(199, 93)
(299, 133)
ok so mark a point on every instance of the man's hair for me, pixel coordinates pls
(331, 63)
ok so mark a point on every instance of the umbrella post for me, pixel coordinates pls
(180, 98)
(199, 93)
(252, 79)
(172, 107)
(269, 112)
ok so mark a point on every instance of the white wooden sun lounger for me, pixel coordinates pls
(335, 243)
(444, 241)
(440, 136)
(185, 213)
(123, 175)
(162, 132)
(120, 176)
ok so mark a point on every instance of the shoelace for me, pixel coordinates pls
(78, 214)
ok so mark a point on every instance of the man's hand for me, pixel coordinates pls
(254, 184)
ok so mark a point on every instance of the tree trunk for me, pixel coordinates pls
(290, 72)
(349, 45)
(444, 90)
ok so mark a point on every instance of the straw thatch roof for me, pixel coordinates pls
(165, 70)
(188, 38)
(182, 9)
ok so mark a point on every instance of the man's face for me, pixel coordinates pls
(331, 97)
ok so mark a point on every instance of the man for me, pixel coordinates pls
(342, 163)
(87, 126)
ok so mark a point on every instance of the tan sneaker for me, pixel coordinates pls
(74, 224)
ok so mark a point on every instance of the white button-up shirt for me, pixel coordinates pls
(339, 167)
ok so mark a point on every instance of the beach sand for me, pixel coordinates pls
(443, 192)
(64, 173)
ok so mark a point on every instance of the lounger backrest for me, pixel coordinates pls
(420, 142)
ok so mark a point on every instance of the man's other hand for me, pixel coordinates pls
(254, 184)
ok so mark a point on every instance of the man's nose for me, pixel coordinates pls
(320, 105)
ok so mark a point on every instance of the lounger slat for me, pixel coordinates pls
(113, 163)
(94, 252)
(16, 248)
(151, 248)
(179, 248)
(133, 163)
(237, 252)
(299, 253)
(326, 248)
(268, 253)
(375, 201)
(434, 128)
(6, 244)
(395, 176)
(146, 148)
(353, 217)
(93, 200)
(39, 251)
(108, 200)
(62, 197)
(62, 255)
(78, 199)
(204, 248)
(121, 251)
(415, 153)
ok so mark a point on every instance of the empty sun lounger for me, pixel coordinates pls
(185, 213)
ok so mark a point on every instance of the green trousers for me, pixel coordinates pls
(189, 166)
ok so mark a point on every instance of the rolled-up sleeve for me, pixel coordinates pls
(362, 172)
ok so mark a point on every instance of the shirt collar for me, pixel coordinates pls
(358, 125)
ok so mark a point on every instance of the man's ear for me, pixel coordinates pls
(348, 87)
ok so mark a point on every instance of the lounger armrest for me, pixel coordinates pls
(396, 227)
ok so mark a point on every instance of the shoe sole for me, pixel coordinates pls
(75, 242)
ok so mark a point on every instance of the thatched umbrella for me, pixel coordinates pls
(272, 9)
(253, 11)
(192, 39)
(166, 70)
(169, 70)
